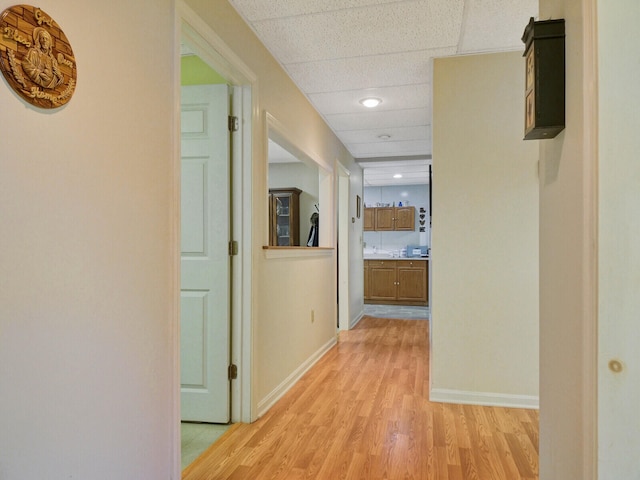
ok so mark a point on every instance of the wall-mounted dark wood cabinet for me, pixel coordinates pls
(544, 79)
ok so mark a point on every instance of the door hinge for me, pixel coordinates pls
(233, 247)
(233, 372)
(234, 123)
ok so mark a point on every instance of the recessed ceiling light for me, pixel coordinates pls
(384, 136)
(397, 175)
(370, 102)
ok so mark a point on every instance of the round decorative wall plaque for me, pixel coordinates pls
(35, 57)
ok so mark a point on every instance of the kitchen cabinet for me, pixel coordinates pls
(366, 280)
(412, 281)
(396, 282)
(388, 219)
(382, 280)
(284, 217)
(385, 220)
(369, 219)
(405, 218)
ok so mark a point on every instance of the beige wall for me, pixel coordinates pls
(566, 253)
(484, 234)
(285, 290)
(86, 292)
(619, 231)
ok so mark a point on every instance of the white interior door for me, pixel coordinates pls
(205, 261)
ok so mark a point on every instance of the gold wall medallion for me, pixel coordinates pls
(35, 57)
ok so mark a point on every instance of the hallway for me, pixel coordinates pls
(362, 412)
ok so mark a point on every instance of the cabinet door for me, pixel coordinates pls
(366, 280)
(384, 218)
(283, 210)
(284, 213)
(369, 219)
(405, 218)
(382, 280)
(412, 281)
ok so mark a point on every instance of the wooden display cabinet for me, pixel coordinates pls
(284, 217)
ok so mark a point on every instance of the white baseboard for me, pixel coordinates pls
(354, 321)
(276, 394)
(482, 398)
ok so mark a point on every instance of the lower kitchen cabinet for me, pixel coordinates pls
(382, 280)
(396, 282)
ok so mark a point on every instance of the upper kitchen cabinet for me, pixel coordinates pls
(385, 218)
(369, 219)
(405, 218)
(390, 219)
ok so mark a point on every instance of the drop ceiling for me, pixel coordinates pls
(341, 51)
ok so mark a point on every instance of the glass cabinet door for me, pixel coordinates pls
(283, 230)
(284, 225)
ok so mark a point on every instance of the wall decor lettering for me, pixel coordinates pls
(36, 58)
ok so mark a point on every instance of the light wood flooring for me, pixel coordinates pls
(362, 412)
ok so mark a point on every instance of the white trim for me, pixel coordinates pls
(590, 249)
(202, 37)
(342, 189)
(277, 393)
(356, 320)
(174, 246)
(483, 398)
(214, 51)
(279, 132)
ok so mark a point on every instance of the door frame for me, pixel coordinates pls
(342, 227)
(215, 52)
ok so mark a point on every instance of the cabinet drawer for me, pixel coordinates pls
(420, 264)
(382, 263)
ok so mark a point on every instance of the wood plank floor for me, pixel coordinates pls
(362, 412)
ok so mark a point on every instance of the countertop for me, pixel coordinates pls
(386, 256)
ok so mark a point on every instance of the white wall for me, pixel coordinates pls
(87, 296)
(418, 196)
(619, 231)
(484, 235)
(304, 177)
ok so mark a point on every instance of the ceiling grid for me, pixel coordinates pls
(341, 51)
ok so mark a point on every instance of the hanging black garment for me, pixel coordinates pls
(312, 240)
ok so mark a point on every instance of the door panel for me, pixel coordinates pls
(412, 284)
(205, 264)
(382, 281)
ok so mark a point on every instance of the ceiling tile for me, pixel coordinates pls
(422, 132)
(260, 10)
(367, 150)
(404, 68)
(496, 24)
(388, 28)
(339, 51)
(386, 164)
(393, 98)
(379, 119)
